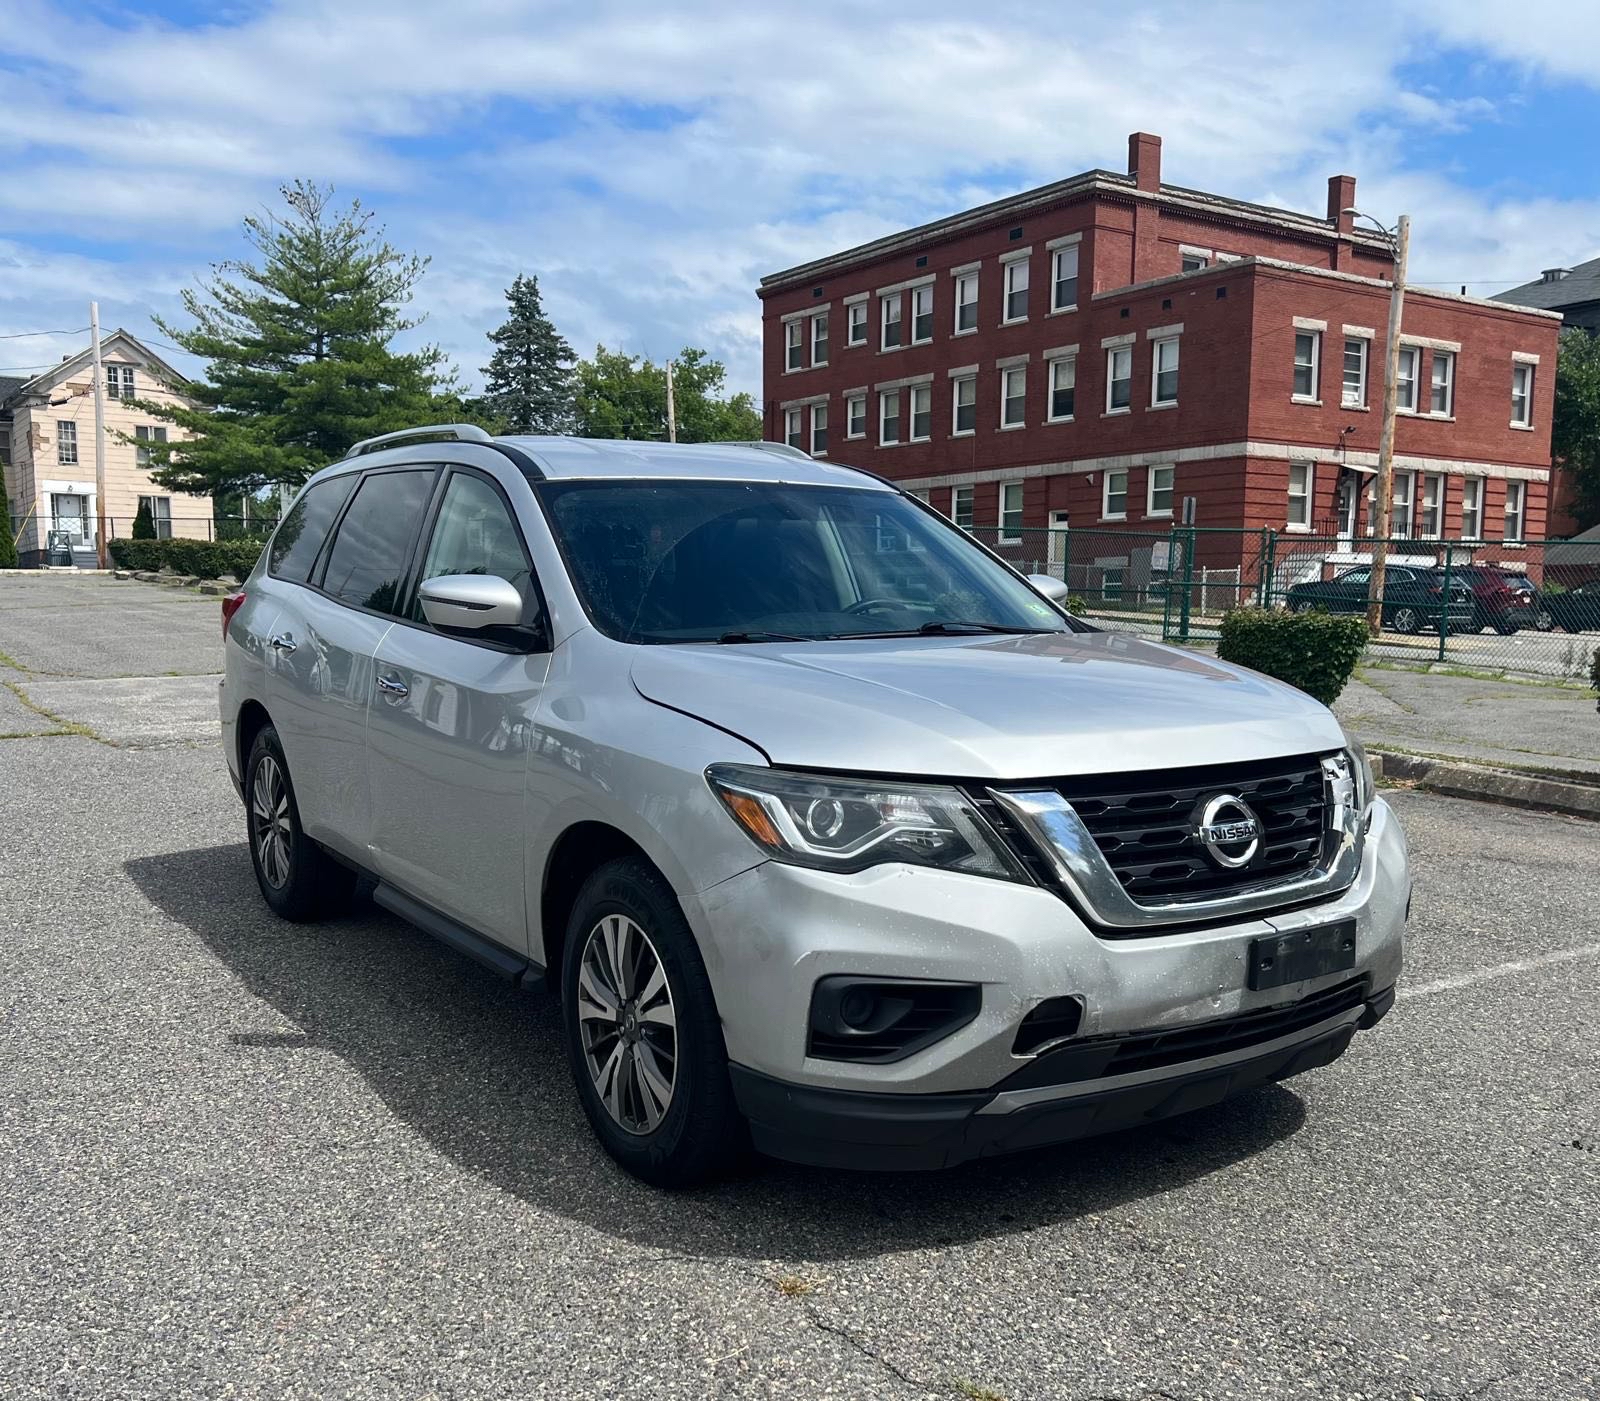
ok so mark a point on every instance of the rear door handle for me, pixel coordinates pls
(393, 686)
(283, 642)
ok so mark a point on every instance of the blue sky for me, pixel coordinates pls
(651, 162)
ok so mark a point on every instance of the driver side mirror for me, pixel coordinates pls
(1051, 587)
(470, 602)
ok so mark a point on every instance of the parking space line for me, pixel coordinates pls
(1501, 970)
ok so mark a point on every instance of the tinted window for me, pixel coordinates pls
(474, 534)
(369, 552)
(299, 539)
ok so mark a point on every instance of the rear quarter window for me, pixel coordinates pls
(299, 540)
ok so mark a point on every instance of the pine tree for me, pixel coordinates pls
(144, 524)
(8, 543)
(298, 350)
(528, 382)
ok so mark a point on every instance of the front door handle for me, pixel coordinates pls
(393, 687)
(283, 642)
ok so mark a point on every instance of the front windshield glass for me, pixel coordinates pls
(697, 561)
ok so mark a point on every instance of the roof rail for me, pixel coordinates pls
(782, 449)
(448, 432)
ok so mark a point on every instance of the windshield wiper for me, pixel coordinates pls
(728, 637)
(941, 627)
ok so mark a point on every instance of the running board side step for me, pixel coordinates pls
(513, 967)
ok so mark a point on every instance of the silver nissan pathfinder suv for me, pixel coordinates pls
(832, 833)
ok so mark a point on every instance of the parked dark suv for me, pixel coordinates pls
(1578, 609)
(1413, 599)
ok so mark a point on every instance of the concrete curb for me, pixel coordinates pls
(214, 587)
(1523, 790)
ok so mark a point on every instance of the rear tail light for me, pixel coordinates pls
(230, 605)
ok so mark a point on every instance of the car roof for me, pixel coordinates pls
(568, 459)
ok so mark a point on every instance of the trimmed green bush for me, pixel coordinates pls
(144, 525)
(8, 545)
(207, 559)
(1315, 651)
(1077, 605)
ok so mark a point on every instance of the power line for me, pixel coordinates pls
(23, 335)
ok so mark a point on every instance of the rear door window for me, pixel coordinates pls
(305, 529)
(367, 564)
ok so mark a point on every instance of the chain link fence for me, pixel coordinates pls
(1532, 608)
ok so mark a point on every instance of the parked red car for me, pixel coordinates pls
(1496, 601)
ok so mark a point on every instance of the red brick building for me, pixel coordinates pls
(1096, 350)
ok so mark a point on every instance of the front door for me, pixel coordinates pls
(449, 728)
(1058, 545)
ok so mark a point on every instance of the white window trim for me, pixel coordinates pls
(911, 412)
(1052, 358)
(1000, 518)
(1106, 514)
(1155, 361)
(1520, 489)
(1449, 410)
(955, 510)
(1419, 491)
(817, 316)
(1150, 490)
(1010, 261)
(848, 400)
(883, 404)
(1366, 372)
(927, 339)
(1310, 497)
(969, 375)
(1519, 363)
(1055, 256)
(1007, 367)
(1111, 352)
(794, 426)
(1316, 332)
(1477, 511)
(895, 300)
(794, 342)
(956, 328)
(821, 408)
(1416, 376)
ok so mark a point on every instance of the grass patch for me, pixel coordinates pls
(796, 1286)
(974, 1391)
(60, 725)
(1472, 673)
(6, 659)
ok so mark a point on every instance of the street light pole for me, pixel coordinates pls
(1384, 489)
(101, 557)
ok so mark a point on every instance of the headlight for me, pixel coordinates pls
(847, 824)
(1361, 771)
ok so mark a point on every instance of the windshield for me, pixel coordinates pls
(697, 561)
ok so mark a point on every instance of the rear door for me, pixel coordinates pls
(323, 644)
(450, 725)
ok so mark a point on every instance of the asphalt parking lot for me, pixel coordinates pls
(248, 1159)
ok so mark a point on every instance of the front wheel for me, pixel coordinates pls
(1504, 626)
(643, 1037)
(1407, 620)
(298, 879)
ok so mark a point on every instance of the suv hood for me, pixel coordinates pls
(1004, 708)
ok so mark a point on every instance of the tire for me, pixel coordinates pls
(1407, 619)
(1300, 605)
(694, 1133)
(1504, 626)
(298, 879)
(1543, 622)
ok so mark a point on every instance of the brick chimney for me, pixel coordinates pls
(1341, 196)
(1144, 160)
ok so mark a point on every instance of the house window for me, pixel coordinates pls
(819, 339)
(1164, 372)
(1111, 582)
(1193, 262)
(1407, 388)
(855, 416)
(67, 443)
(889, 417)
(143, 434)
(1354, 393)
(1013, 396)
(961, 507)
(1430, 513)
(1522, 396)
(1017, 290)
(1011, 511)
(119, 381)
(1114, 496)
(1472, 508)
(1119, 379)
(921, 412)
(1443, 400)
(966, 302)
(1307, 355)
(795, 343)
(891, 322)
(1516, 505)
(1405, 491)
(964, 404)
(1301, 479)
(819, 429)
(160, 508)
(921, 314)
(794, 428)
(857, 332)
(1064, 279)
(1063, 387)
(1158, 500)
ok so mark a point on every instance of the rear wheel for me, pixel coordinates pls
(298, 879)
(1504, 626)
(1407, 619)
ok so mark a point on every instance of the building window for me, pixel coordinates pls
(1516, 505)
(1063, 387)
(1064, 279)
(889, 417)
(1014, 396)
(1119, 379)
(819, 429)
(855, 416)
(964, 405)
(795, 342)
(1301, 480)
(966, 302)
(1405, 494)
(794, 428)
(1472, 508)
(1522, 396)
(142, 435)
(1354, 393)
(1164, 372)
(1010, 511)
(1158, 500)
(1017, 290)
(857, 331)
(67, 443)
(1443, 400)
(160, 508)
(819, 339)
(921, 412)
(1193, 262)
(119, 381)
(1430, 513)
(1114, 496)
(961, 507)
(921, 314)
(891, 322)
(1111, 582)
(1307, 356)
(1407, 388)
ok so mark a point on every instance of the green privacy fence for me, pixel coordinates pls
(1531, 608)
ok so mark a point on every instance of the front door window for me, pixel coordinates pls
(1348, 496)
(71, 514)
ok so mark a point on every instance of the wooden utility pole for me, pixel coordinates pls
(1383, 506)
(102, 555)
(672, 412)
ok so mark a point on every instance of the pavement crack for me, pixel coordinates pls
(839, 1331)
(63, 726)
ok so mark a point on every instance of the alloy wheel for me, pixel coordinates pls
(269, 822)
(1406, 620)
(628, 1024)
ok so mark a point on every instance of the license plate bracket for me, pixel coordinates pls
(1294, 956)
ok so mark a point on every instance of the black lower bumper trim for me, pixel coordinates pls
(909, 1132)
